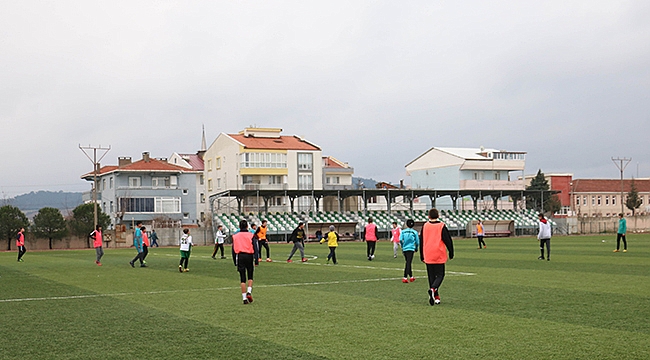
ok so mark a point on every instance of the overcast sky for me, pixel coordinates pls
(373, 83)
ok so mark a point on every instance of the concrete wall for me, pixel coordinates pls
(597, 225)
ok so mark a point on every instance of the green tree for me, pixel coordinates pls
(553, 205)
(83, 219)
(539, 184)
(50, 223)
(633, 201)
(11, 221)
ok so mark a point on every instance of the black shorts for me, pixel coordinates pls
(245, 266)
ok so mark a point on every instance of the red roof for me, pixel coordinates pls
(331, 163)
(194, 160)
(140, 165)
(609, 185)
(275, 143)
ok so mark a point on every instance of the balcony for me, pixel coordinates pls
(87, 196)
(265, 186)
(491, 185)
(147, 187)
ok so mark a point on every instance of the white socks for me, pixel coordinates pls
(250, 289)
(243, 296)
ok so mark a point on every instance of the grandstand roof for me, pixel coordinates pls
(609, 185)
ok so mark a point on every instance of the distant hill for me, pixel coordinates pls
(367, 183)
(40, 199)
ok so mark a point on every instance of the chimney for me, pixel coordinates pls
(145, 156)
(123, 161)
(401, 183)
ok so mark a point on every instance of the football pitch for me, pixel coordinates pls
(497, 303)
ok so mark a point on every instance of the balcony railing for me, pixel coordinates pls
(265, 186)
(147, 187)
(491, 185)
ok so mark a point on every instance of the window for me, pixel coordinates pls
(305, 182)
(103, 184)
(217, 163)
(263, 160)
(593, 200)
(577, 200)
(613, 200)
(135, 182)
(337, 180)
(186, 215)
(201, 180)
(111, 208)
(275, 179)
(247, 179)
(202, 198)
(584, 200)
(327, 180)
(168, 205)
(110, 182)
(185, 191)
(160, 182)
(218, 183)
(136, 205)
(497, 176)
(104, 206)
(599, 200)
(305, 161)
(607, 200)
(478, 176)
(209, 184)
(209, 165)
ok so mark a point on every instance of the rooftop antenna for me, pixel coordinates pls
(621, 164)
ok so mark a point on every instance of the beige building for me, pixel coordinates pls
(337, 175)
(602, 197)
(261, 159)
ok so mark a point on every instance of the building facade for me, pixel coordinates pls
(194, 162)
(467, 169)
(261, 159)
(149, 190)
(602, 197)
(337, 175)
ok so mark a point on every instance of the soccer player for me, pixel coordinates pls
(96, 235)
(154, 238)
(137, 242)
(243, 255)
(145, 244)
(622, 229)
(298, 238)
(409, 241)
(332, 242)
(20, 244)
(544, 237)
(435, 242)
(219, 239)
(395, 231)
(186, 248)
(263, 241)
(370, 235)
(479, 234)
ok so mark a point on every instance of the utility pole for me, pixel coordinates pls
(621, 164)
(95, 162)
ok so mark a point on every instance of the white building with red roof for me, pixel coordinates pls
(195, 163)
(262, 159)
(147, 190)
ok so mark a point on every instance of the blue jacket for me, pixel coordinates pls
(409, 240)
(137, 240)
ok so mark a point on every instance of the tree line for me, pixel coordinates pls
(50, 224)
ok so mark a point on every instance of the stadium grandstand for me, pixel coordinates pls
(351, 224)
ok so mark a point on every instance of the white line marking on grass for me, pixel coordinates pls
(384, 268)
(90, 296)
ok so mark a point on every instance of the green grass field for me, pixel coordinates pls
(498, 303)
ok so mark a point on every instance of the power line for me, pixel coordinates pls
(621, 164)
(95, 170)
